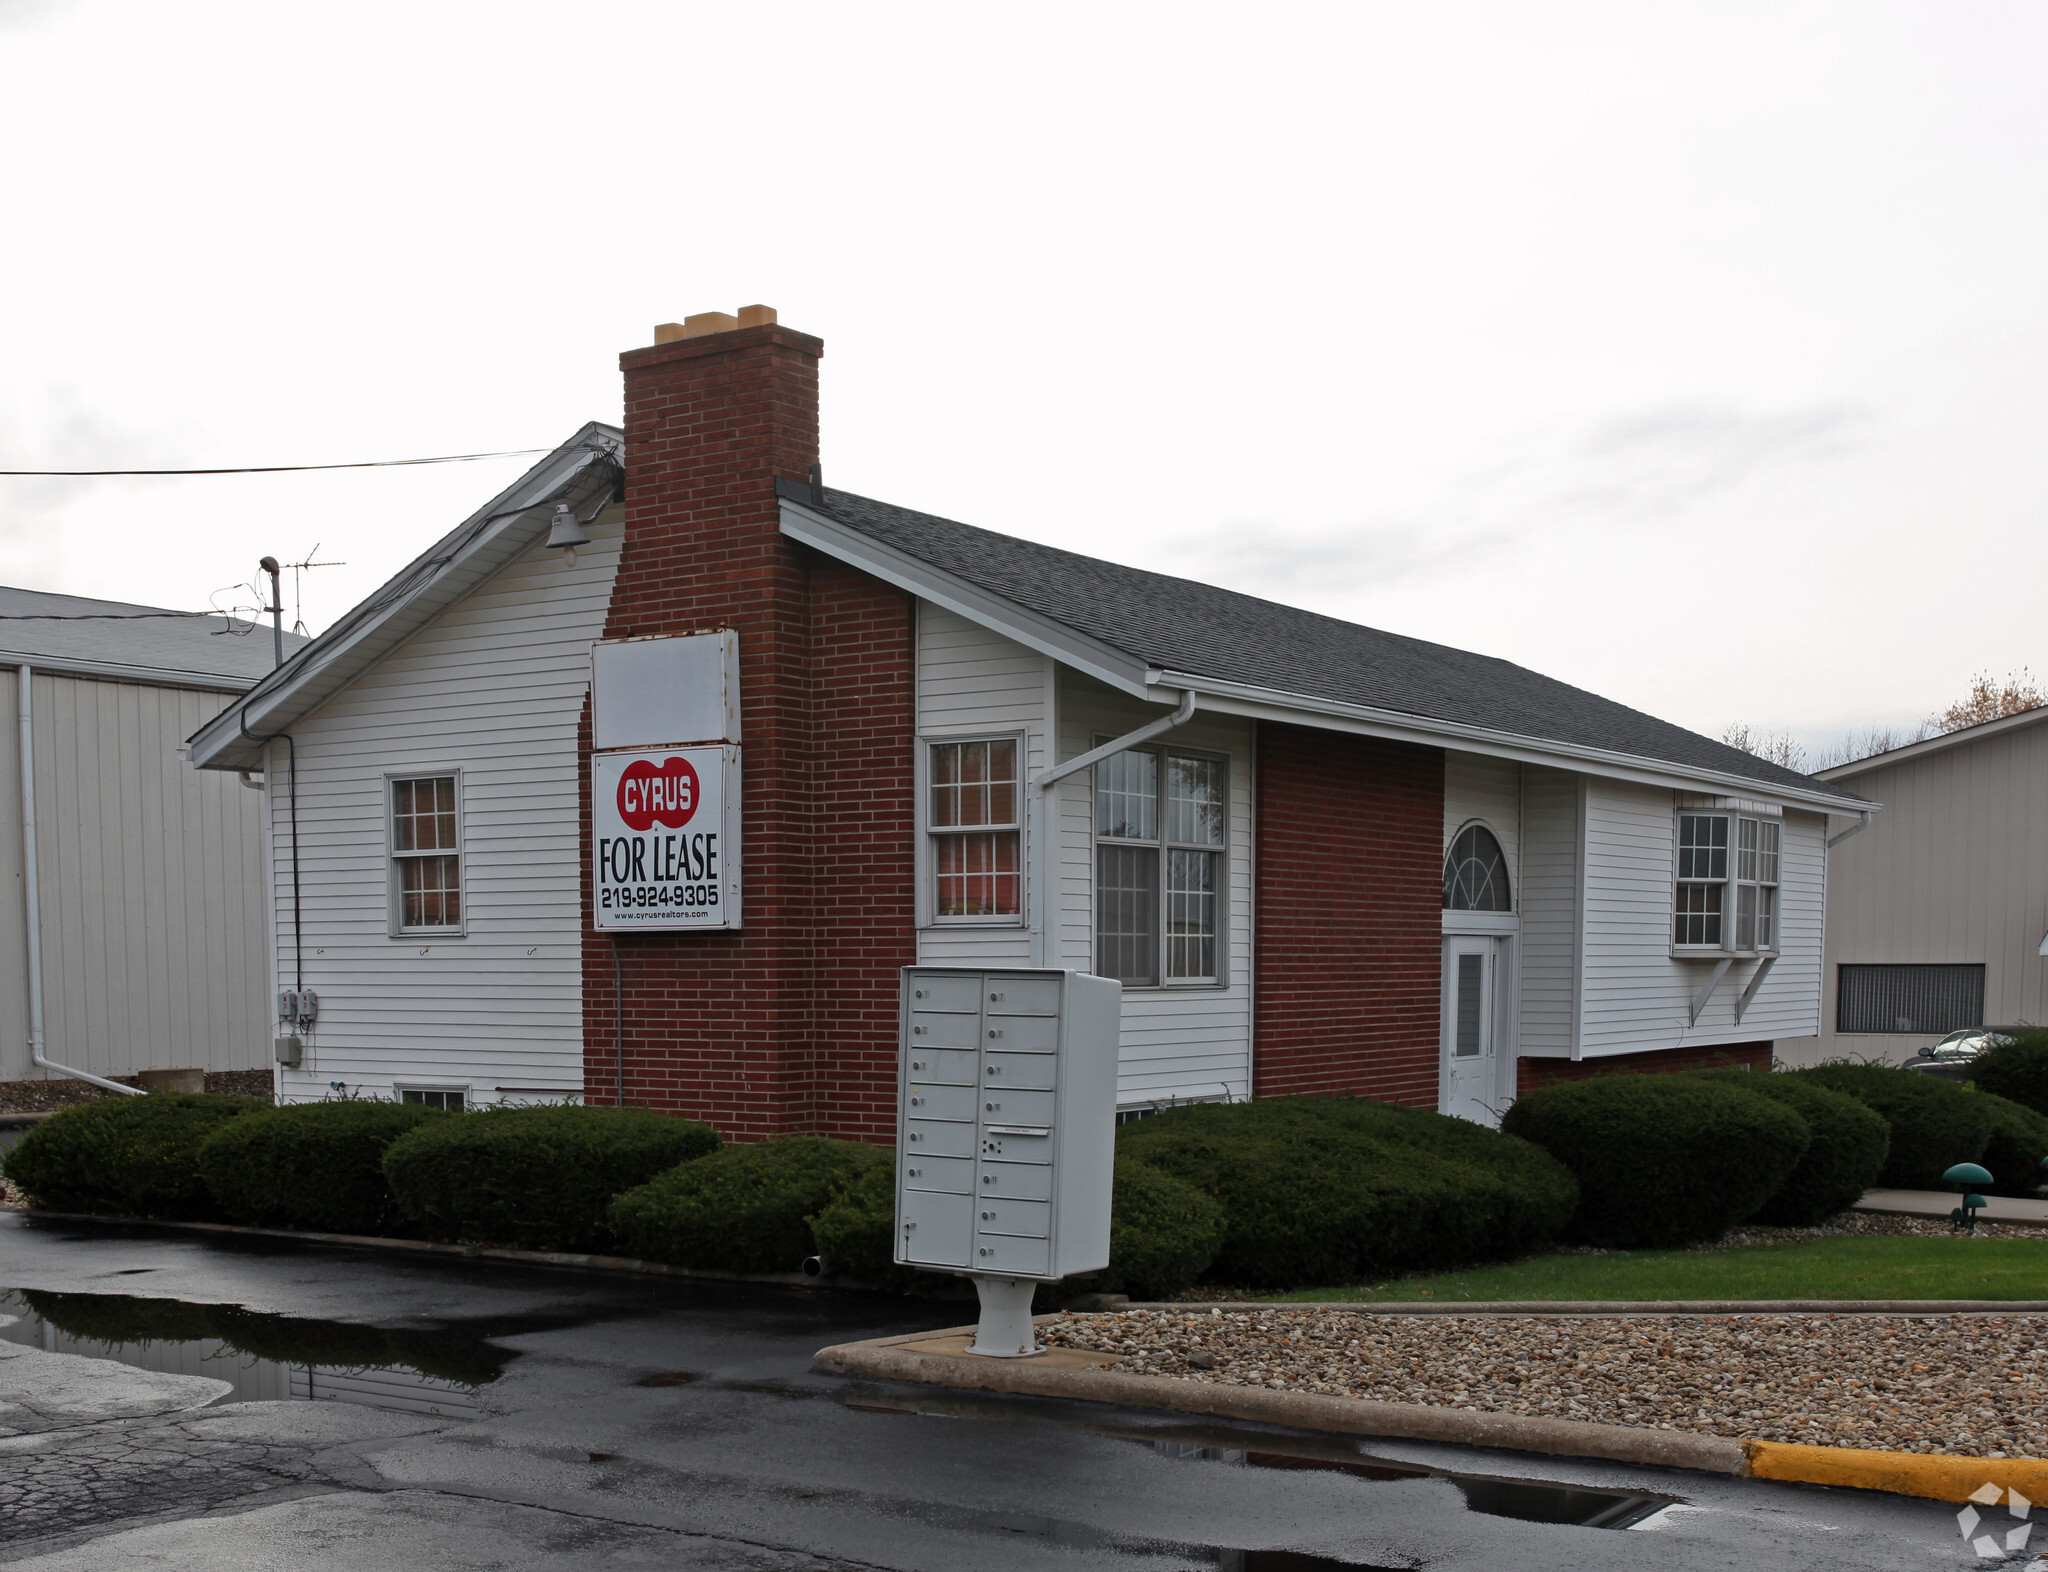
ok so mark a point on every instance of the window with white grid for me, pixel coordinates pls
(1727, 883)
(976, 832)
(426, 856)
(1159, 844)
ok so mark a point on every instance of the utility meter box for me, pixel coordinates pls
(1006, 1121)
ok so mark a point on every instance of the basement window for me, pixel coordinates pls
(976, 833)
(426, 855)
(452, 1102)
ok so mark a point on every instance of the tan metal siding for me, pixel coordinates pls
(151, 887)
(1953, 869)
(1547, 951)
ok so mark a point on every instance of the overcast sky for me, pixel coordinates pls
(1691, 353)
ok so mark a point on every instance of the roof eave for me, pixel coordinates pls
(1941, 744)
(503, 527)
(123, 671)
(1231, 698)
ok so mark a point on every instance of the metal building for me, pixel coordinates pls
(149, 896)
(1937, 915)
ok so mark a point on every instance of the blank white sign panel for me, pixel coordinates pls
(665, 692)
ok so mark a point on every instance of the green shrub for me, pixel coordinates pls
(1163, 1232)
(1331, 1190)
(134, 1155)
(745, 1209)
(2016, 1070)
(1662, 1160)
(1845, 1158)
(856, 1234)
(1934, 1123)
(540, 1178)
(2019, 1140)
(310, 1165)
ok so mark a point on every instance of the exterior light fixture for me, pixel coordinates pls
(1968, 1176)
(565, 530)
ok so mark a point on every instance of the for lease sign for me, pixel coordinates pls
(664, 838)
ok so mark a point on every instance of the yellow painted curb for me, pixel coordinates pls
(1902, 1473)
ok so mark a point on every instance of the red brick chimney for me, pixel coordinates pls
(725, 1026)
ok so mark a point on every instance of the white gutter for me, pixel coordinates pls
(1041, 811)
(1862, 824)
(31, 907)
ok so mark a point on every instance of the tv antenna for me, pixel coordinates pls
(298, 622)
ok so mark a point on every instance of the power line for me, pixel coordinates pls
(100, 616)
(280, 469)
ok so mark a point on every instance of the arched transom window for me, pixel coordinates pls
(1476, 873)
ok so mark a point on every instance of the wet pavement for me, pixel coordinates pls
(181, 1403)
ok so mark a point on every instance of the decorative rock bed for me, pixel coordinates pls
(1966, 1384)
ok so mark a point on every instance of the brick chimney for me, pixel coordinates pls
(722, 1026)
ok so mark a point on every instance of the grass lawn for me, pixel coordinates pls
(1842, 1267)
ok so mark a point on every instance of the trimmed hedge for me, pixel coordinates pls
(856, 1233)
(2019, 1140)
(1163, 1232)
(1934, 1123)
(317, 1166)
(1662, 1160)
(1845, 1158)
(745, 1209)
(1333, 1190)
(133, 1155)
(2016, 1070)
(539, 1178)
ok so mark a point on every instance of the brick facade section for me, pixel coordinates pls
(788, 1025)
(1348, 960)
(1532, 1073)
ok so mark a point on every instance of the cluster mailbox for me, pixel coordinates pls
(1006, 1123)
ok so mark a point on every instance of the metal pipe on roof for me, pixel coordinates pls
(32, 907)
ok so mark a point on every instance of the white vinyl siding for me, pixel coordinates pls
(493, 690)
(1490, 792)
(1191, 1042)
(1636, 995)
(972, 683)
(151, 885)
(1549, 902)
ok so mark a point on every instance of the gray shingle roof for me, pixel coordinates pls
(1181, 625)
(74, 630)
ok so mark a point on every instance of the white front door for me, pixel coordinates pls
(1470, 1047)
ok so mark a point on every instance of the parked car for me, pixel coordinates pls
(1949, 1057)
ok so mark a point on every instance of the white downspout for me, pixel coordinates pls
(32, 907)
(1041, 808)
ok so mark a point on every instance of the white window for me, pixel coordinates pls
(1159, 839)
(1718, 881)
(977, 865)
(433, 1097)
(426, 855)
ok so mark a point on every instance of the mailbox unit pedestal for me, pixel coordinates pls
(1006, 1130)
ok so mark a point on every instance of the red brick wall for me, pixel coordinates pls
(1348, 960)
(1532, 1073)
(788, 1024)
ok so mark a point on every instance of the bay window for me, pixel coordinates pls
(1726, 896)
(1159, 844)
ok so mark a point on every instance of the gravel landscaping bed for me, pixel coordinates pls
(1974, 1385)
(62, 1092)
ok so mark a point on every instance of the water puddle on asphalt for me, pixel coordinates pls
(1532, 1501)
(275, 1357)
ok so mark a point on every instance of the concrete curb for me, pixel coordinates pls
(1940, 1478)
(889, 1359)
(463, 1252)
